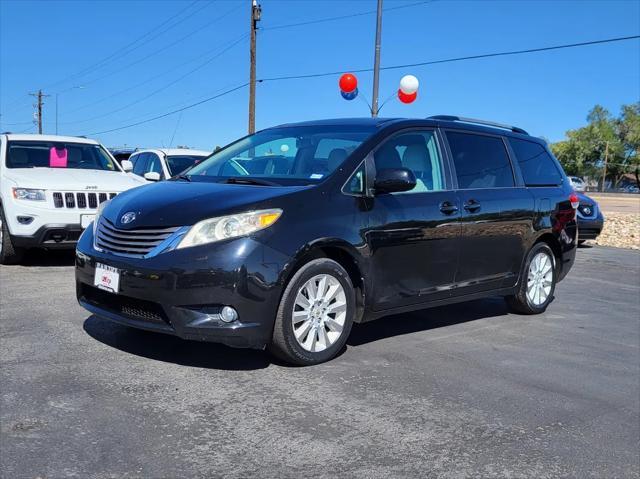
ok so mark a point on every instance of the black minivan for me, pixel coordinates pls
(285, 238)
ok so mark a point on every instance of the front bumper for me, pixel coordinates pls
(590, 229)
(180, 292)
(51, 236)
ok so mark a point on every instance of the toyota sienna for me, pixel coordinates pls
(285, 238)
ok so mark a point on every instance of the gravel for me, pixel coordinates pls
(621, 230)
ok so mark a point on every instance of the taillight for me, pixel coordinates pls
(575, 201)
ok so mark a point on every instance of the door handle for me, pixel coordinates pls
(448, 208)
(472, 205)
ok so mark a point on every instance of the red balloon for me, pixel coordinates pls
(404, 98)
(348, 82)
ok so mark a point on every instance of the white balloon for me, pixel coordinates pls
(409, 84)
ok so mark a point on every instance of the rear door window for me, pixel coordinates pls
(536, 165)
(481, 161)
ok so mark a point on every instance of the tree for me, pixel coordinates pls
(583, 152)
(628, 127)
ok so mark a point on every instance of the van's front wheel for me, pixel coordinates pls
(315, 315)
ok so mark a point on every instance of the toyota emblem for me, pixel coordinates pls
(128, 218)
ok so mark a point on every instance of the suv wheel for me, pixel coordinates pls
(315, 315)
(9, 254)
(537, 282)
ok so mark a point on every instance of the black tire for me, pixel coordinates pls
(9, 254)
(284, 345)
(520, 302)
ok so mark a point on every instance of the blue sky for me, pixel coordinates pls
(201, 49)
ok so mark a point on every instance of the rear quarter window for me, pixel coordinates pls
(536, 164)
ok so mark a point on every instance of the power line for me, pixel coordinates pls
(456, 59)
(177, 80)
(159, 50)
(155, 76)
(342, 17)
(140, 41)
(314, 75)
(171, 112)
(128, 49)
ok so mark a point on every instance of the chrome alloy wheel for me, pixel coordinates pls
(319, 313)
(540, 278)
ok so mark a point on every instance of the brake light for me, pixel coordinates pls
(575, 201)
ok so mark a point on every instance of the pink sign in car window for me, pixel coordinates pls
(57, 157)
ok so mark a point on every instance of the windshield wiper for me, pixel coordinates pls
(244, 180)
(182, 177)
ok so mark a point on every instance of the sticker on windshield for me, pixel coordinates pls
(57, 157)
(316, 176)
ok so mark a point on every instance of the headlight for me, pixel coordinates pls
(232, 226)
(101, 208)
(28, 194)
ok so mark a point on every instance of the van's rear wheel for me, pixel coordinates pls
(537, 282)
(9, 254)
(315, 315)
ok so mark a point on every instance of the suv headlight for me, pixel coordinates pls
(232, 226)
(29, 194)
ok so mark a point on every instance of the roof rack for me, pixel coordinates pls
(478, 122)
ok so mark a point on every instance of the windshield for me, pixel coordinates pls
(55, 154)
(288, 155)
(178, 163)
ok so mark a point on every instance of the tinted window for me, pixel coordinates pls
(416, 151)
(480, 161)
(179, 163)
(54, 154)
(537, 166)
(140, 164)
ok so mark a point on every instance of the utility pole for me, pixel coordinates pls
(39, 95)
(376, 62)
(606, 157)
(256, 12)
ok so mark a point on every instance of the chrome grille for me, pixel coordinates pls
(138, 242)
(68, 199)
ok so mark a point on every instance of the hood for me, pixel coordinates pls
(181, 203)
(71, 179)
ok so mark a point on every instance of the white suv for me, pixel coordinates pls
(162, 163)
(50, 190)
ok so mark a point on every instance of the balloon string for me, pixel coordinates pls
(362, 97)
(385, 102)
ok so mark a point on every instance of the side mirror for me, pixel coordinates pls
(127, 166)
(152, 176)
(392, 180)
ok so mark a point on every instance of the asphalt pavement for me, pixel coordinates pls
(468, 390)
